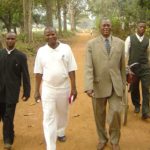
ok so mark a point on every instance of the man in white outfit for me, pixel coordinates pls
(54, 65)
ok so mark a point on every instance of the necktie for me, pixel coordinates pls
(107, 45)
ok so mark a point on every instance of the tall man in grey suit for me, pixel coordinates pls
(105, 82)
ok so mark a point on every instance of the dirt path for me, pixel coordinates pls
(81, 131)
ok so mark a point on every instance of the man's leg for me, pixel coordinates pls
(62, 113)
(2, 111)
(49, 124)
(145, 95)
(49, 116)
(99, 108)
(114, 118)
(8, 125)
(135, 95)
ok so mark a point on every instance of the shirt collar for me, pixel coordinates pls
(9, 51)
(53, 49)
(109, 38)
(140, 38)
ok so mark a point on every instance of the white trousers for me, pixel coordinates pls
(55, 113)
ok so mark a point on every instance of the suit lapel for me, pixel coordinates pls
(112, 46)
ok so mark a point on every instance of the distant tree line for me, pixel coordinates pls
(23, 13)
(123, 13)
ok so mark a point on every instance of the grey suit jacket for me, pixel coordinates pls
(105, 72)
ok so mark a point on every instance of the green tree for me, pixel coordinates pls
(11, 13)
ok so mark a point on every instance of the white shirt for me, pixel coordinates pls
(55, 64)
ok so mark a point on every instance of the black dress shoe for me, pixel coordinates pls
(61, 138)
(145, 116)
(137, 109)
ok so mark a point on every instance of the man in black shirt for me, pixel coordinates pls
(13, 71)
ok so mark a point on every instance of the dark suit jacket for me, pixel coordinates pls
(13, 71)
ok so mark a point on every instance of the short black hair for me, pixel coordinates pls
(11, 32)
(50, 28)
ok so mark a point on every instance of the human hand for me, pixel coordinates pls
(73, 94)
(90, 93)
(37, 97)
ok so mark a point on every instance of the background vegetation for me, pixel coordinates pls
(29, 17)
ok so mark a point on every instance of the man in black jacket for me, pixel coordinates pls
(13, 71)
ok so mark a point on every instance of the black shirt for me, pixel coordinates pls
(13, 72)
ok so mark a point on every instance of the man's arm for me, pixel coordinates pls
(26, 79)
(73, 84)
(127, 47)
(88, 72)
(38, 79)
(123, 67)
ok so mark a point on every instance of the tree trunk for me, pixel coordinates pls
(59, 17)
(72, 18)
(27, 19)
(49, 13)
(7, 23)
(65, 16)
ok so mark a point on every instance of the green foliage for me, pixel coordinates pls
(22, 37)
(26, 48)
(148, 32)
(121, 11)
(31, 48)
(116, 26)
(11, 12)
(66, 34)
(144, 3)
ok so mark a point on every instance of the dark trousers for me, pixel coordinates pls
(143, 76)
(7, 112)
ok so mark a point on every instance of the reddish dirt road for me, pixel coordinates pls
(81, 131)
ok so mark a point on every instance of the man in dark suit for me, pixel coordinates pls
(13, 71)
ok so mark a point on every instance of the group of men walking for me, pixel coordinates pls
(55, 66)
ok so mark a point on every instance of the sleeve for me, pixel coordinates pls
(88, 69)
(38, 64)
(127, 47)
(72, 66)
(122, 66)
(26, 78)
